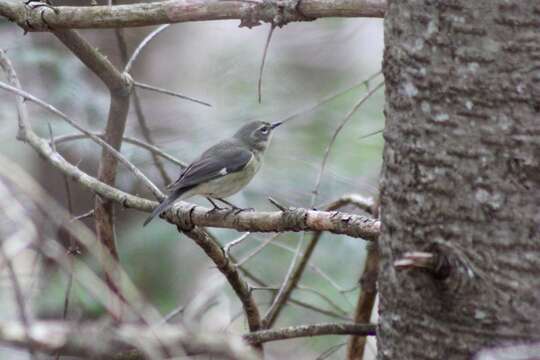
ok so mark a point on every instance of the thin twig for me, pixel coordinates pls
(83, 216)
(265, 52)
(141, 119)
(331, 350)
(309, 330)
(336, 133)
(257, 250)
(142, 45)
(19, 298)
(329, 98)
(138, 174)
(152, 148)
(312, 266)
(227, 248)
(371, 134)
(58, 216)
(72, 250)
(307, 289)
(169, 92)
(214, 251)
(294, 301)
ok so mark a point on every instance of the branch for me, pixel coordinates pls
(128, 139)
(293, 219)
(366, 301)
(310, 330)
(141, 119)
(297, 270)
(299, 303)
(240, 287)
(169, 92)
(174, 11)
(93, 339)
(25, 131)
(98, 341)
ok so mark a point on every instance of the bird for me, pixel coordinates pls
(222, 170)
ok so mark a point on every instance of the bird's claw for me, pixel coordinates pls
(35, 4)
(238, 210)
(43, 6)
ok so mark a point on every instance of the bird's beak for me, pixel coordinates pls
(276, 124)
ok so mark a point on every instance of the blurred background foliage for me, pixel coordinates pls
(217, 62)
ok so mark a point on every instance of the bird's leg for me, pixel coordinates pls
(236, 209)
(216, 207)
(43, 5)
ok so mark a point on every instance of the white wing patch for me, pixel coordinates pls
(223, 172)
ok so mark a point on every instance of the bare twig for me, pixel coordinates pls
(310, 330)
(323, 297)
(129, 62)
(131, 140)
(257, 250)
(329, 98)
(58, 217)
(174, 11)
(19, 297)
(265, 52)
(98, 341)
(73, 250)
(357, 200)
(92, 339)
(294, 301)
(336, 133)
(169, 92)
(331, 350)
(141, 119)
(227, 248)
(296, 268)
(89, 134)
(87, 214)
(240, 287)
(119, 86)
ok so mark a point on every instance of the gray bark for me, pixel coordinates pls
(461, 176)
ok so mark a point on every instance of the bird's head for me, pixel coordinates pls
(256, 134)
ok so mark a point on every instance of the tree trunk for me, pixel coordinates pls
(461, 176)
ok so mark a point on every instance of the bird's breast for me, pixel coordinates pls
(231, 183)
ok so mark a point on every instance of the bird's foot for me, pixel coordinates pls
(215, 206)
(43, 6)
(237, 210)
(233, 208)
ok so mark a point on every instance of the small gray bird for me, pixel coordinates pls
(222, 170)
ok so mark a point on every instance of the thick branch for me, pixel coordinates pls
(251, 13)
(187, 215)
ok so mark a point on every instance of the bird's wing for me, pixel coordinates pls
(217, 161)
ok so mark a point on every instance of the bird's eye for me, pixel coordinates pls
(264, 130)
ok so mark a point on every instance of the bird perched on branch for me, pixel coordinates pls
(222, 170)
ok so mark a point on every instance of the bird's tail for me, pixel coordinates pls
(165, 204)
